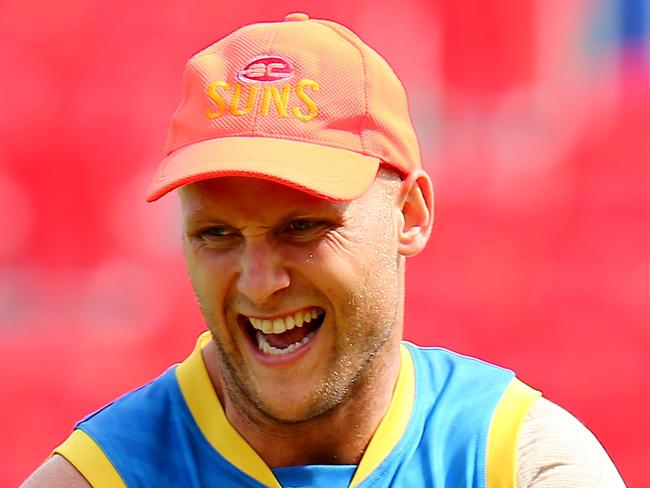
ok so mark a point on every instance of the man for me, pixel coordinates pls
(302, 192)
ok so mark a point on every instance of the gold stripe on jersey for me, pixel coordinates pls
(80, 450)
(506, 423)
(394, 423)
(208, 413)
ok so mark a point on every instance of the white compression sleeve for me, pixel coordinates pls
(555, 450)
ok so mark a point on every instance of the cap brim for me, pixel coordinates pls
(324, 171)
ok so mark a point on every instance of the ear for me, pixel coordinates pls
(415, 201)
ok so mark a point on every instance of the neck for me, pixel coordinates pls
(339, 436)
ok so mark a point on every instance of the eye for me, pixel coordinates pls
(301, 225)
(217, 232)
(217, 235)
(306, 230)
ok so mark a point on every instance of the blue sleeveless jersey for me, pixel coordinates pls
(453, 422)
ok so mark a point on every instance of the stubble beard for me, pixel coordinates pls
(371, 313)
(355, 359)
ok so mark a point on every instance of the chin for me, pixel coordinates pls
(296, 412)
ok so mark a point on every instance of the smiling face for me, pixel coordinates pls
(303, 296)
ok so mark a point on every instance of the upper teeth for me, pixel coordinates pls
(279, 325)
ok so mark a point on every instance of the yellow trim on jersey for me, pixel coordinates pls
(394, 423)
(206, 409)
(506, 422)
(208, 413)
(88, 458)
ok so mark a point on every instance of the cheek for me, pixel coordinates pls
(364, 246)
(210, 274)
(345, 245)
(364, 271)
(339, 268)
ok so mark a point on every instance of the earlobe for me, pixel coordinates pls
(416, 204)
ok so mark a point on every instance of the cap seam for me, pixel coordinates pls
(269, 51)
(365, 82)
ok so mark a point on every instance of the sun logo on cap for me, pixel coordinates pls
(266, 69)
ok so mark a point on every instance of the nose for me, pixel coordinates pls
(262, 272)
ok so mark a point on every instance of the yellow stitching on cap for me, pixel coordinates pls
(311, 105)
(250, 101)
(266, 101)
(281, 103)
(217, 98)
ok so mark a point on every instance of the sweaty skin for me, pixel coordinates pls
(259, 249)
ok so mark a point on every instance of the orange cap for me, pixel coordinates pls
(302, 102)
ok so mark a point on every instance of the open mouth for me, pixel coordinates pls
(283, 335)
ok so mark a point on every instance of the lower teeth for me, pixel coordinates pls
(267, 348)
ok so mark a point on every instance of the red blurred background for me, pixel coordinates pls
(533, 118)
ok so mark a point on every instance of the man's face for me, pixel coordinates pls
(299, 293)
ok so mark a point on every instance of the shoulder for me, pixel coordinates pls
(56, 472)
(444, 362)
(555, 449)
(105, 440)
(145, 404)
(465, 382)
